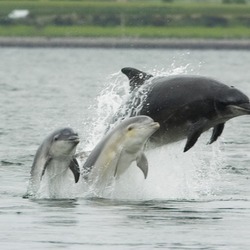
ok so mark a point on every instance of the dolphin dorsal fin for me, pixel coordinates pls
(135, 76)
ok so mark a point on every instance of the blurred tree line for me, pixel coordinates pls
(128, 13)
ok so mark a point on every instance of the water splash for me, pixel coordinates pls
(172, 174)
(106, 105)
(116, 92)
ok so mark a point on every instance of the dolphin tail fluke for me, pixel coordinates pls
(74, 167)
(217, 131)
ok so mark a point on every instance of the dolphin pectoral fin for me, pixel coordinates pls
(142, 163)
(118, 161)
(217, 131)
(74, 167)
(194, 133)
(45, 166)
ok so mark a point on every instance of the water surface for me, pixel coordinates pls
(196, 200)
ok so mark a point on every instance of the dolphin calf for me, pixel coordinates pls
(54, 160)
(118, 149)
(185, 106)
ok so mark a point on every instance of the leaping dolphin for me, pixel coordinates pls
(55, 160)
(185, 106)
(118, 149)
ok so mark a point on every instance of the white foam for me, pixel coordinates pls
(172, 175)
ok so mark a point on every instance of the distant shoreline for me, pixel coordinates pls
(126, 43)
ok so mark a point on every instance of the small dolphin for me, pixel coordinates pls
(55, 159)
(185, 106)
(119, 148)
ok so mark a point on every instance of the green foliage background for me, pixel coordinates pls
(208, 19)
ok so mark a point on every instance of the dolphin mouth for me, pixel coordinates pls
(74, 138)
(245, 107)
(155, 125)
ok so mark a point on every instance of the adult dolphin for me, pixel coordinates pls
(185, 106)
(118, 149)
(55, 160)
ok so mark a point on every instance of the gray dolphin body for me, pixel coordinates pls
(54, 160)
(118, 149)
(185, 106)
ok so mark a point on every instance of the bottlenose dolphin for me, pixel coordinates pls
(185, 106)
(118, 149)
(55, 160)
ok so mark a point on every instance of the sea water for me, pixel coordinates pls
(194, 200)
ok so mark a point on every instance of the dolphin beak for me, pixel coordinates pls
(74, 138)
(245, 108)
(155, 125)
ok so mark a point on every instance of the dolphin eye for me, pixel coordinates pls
(56, 138)
(130, 128)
